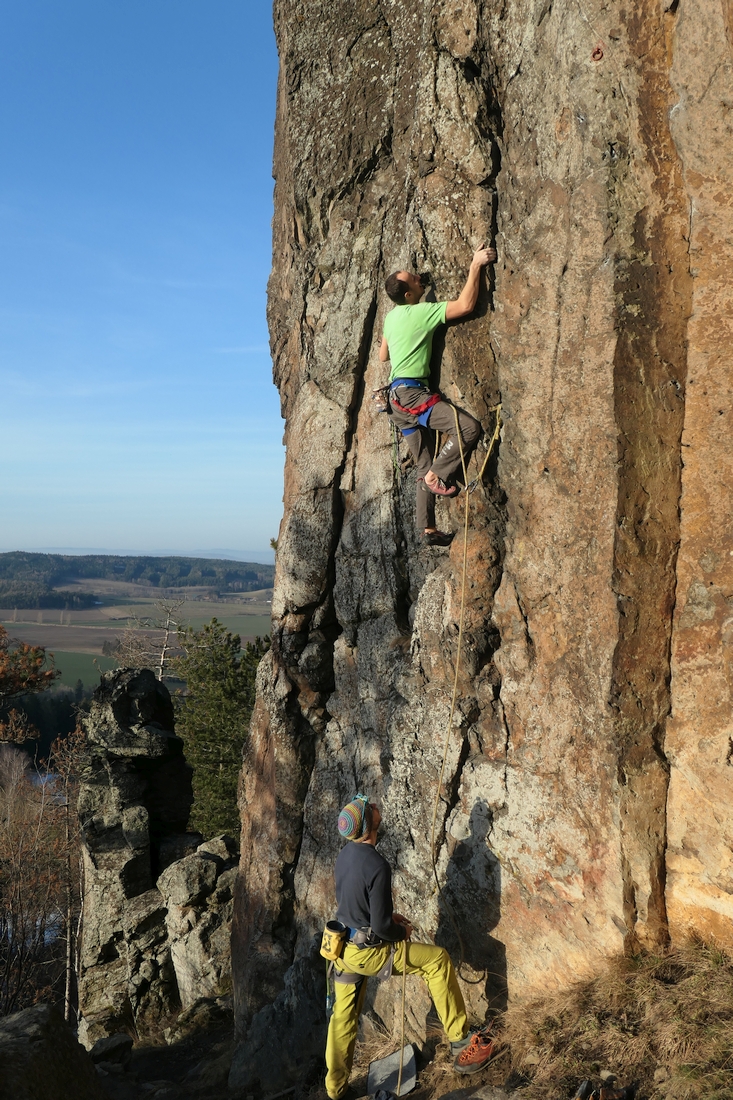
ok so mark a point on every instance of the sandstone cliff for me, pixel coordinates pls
(587, 803)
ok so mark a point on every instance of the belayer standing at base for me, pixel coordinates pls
(407, 344)
(378, 940)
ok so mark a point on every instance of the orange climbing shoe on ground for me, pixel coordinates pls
(477, 1053)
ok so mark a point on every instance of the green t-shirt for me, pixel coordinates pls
(408, 331)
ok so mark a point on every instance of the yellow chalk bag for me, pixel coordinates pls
(334, 939)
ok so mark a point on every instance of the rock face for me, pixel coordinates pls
(594, 145)
(699, 737)
(198, 893)
(41, 1057)
(155, 933)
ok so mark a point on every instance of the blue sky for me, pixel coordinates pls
(137, 406)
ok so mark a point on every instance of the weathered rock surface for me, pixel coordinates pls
(198, 893)
(155, 935)
(407, 134)
(286, 1040)
(41, 1057)
(113, 1048)
(699, 736)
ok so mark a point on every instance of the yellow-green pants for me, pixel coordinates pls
(431, 963)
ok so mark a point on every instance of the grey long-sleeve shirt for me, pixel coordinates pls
(364, 891)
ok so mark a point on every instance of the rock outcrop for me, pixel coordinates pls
(41, 1057)
(586, 805)
(157, 901)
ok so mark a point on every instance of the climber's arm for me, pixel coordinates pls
(465, 303)
(383, 351)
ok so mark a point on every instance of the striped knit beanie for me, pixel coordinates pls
(355, 820)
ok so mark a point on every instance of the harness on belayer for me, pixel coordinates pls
(333, 941)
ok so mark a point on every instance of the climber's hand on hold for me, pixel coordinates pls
(483, 256)
(465, 303)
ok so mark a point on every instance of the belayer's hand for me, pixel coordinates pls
(399, 919)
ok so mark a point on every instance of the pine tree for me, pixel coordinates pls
(213, 717)
(23, 668)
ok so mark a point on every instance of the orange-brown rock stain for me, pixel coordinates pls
(653, 290)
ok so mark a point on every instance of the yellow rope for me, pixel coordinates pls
(433, 854)
(402, 1031)
(495, 436)
(455, 680)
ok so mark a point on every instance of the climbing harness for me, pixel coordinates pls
(380, 397)
(420, 412)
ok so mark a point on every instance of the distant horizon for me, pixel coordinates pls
(260, 557)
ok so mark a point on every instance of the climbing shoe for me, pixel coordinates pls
(585, 1091)
(607, 1093)
(442, 490)
(437, 538)
(477, 1053)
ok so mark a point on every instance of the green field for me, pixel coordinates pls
(247, 626)
(244, 623)
(81, 666)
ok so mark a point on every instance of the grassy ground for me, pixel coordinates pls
(81, 666)
(665, 1021)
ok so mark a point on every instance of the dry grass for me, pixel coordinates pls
(665, 1021)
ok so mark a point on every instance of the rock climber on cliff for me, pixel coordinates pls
(379, 941)
(407, 343)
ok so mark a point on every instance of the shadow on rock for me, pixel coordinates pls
(285, 1041)
(470, 908)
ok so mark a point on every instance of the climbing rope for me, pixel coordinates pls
(402, 1029)
(454, 695)
(433, 855)
(497, 428)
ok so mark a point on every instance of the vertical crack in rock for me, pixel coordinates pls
(653, 299)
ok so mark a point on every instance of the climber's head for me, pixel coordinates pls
(404, 288)
(359, 819)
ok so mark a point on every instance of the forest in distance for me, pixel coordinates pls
(38, 580)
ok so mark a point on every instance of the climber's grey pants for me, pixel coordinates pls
(421, 444)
